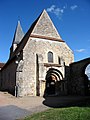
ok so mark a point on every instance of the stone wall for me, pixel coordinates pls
(45, 27)
(25, 73)
(78, 80)
(41, 47)
(8, 78)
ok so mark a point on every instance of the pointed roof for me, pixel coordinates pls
(33, 31)
(44, 27)
(18, 34)
(50, 33)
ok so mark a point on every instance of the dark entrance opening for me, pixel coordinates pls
(50, 85)
(53, 82)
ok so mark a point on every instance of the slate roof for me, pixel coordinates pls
(18, 34)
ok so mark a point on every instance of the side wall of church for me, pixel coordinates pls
(8, 76)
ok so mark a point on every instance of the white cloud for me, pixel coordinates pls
(73, 7)
(51, 8)
(56, 10)
(80, 50)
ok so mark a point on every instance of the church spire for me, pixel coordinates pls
(18, 34)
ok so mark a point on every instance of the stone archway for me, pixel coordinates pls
(53, 82)
(78, 79)
(87, 73)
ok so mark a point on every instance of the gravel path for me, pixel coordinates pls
(12, 108)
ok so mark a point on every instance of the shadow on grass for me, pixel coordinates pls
(67, 101)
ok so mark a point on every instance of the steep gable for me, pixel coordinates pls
(45, 27)
(44, 22)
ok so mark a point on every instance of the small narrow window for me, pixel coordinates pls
(59, 60)
(50, 57)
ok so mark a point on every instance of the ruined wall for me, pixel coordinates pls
(78, 81)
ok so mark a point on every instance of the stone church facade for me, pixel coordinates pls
(38, 61)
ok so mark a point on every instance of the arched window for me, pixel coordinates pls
(50, 57)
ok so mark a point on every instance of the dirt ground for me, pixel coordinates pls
(12, 108)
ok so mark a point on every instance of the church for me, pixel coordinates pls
(38, 61)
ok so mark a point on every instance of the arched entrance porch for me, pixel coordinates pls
(55, 85)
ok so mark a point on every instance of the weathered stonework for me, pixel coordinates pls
(28, 71)
(45, 27)
(78, 80)
(41, 47)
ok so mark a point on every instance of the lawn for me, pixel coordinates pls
(70, 113)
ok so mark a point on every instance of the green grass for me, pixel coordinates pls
(70, 113)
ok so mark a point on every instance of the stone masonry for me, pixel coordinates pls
(28, 71)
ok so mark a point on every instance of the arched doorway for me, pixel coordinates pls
(50, 84)
(53, 82)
